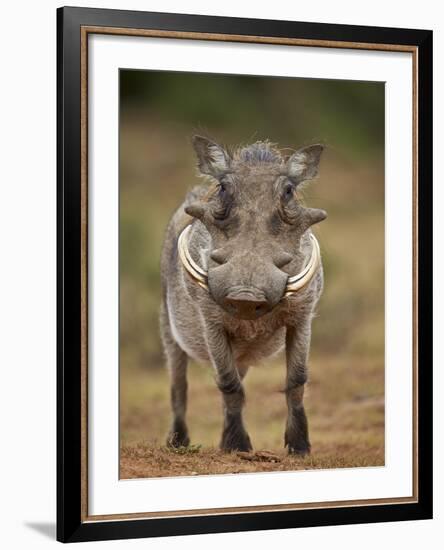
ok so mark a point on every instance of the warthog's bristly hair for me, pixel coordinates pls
(259, 152)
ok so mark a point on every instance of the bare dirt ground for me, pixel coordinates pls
(344, 402)
(144, 460)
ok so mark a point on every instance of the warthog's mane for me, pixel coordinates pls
(259, 152)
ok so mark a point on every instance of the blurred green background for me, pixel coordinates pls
(159, 112)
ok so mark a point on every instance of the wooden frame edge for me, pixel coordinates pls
(189, 35)
(415, 241)
(85, 31)
(84, 270)
(250, 509)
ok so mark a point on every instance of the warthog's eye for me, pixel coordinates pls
(288, 191)
(288, 205)
(222, 190)
(222, 200)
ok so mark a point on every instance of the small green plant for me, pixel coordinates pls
(188, 450)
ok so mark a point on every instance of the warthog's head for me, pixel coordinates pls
(255, 220)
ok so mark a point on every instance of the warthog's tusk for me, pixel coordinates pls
(196, 272)
(294, 283)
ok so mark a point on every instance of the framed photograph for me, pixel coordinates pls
(244, 274)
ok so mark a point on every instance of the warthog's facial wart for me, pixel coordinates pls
(256, 221)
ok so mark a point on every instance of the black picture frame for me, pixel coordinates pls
(71, 524)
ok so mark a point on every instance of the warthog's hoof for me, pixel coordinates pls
(235, 441)
(177, 440)
(297, 445)
(299, 451)
(178, 437)
(296, 435)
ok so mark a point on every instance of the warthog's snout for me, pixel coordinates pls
(246, 303)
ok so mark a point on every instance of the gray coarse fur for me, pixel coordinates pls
(250, 232)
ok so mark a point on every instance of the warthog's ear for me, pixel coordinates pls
(212, 159)
(304, 164)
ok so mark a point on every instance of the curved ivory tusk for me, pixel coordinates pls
(297, 282)
(294, 283)
(190, 265)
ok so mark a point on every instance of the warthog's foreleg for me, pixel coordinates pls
(177, 362)
(297, 345)
(178, 435)
(234, 435)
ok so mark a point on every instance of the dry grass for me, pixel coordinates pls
(345, 410)
(144, 460)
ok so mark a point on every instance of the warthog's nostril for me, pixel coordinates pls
(281, 259)
(231, 307)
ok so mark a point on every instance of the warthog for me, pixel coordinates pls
(241, 276)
